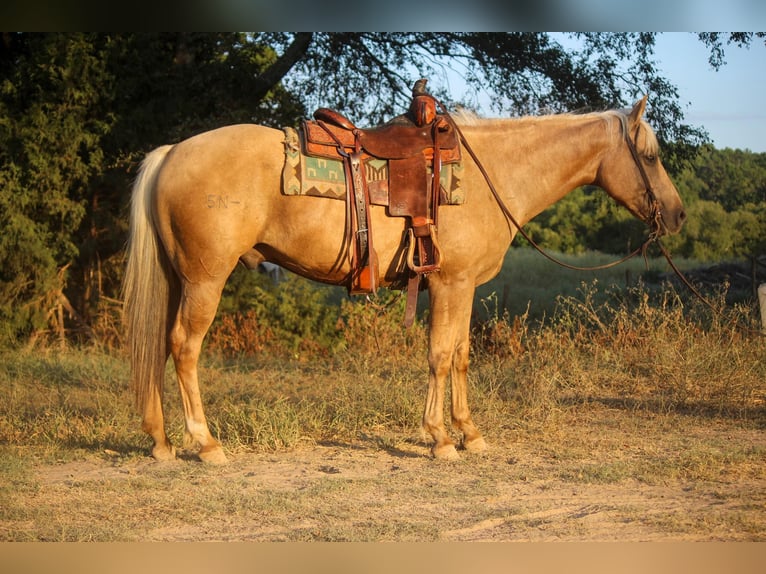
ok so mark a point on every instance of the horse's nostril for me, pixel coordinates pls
(681, 216)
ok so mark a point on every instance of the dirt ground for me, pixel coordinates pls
(373, 491)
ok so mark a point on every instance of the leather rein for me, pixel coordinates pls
(653, 220)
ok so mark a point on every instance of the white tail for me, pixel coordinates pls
(146, 286)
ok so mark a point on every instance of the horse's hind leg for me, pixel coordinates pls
(154, 425)
(196, 312)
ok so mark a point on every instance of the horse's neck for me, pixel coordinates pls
(537, 161)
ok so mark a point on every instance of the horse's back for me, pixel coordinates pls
(229, 144)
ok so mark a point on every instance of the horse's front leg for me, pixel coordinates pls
(448, 349)
(461, 414)
(433, 416)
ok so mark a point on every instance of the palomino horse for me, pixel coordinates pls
(201, 206)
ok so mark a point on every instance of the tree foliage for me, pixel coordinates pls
(79, 110)
(523, 73)
(725, 191)
(51, 134)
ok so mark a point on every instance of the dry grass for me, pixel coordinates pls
(626, 413)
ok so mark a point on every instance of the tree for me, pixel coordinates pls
(50, 153)
(526, 72)
(732, 178)
(165, 88)
(725, 194)
(78, 111)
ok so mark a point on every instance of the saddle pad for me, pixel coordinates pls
(324, 177)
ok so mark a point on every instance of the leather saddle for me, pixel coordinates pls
(415, 145)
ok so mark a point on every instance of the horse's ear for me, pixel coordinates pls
(637, 112)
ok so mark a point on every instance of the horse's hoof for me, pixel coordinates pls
(445, 452)
(164, 453)
(475, 445)
(213, 455)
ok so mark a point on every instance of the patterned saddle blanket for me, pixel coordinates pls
(325, 177)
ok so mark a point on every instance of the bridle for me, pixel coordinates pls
(653, 220)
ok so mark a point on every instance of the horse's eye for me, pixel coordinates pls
(651, 158)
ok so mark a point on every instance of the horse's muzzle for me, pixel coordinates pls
(673, 221)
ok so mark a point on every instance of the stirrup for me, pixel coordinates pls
(428, 268)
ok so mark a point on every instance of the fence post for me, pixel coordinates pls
(762, 302)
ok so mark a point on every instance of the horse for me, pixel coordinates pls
(202, 206)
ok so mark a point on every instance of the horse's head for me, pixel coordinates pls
(632, 173)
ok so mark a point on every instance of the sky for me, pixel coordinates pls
(730, 104)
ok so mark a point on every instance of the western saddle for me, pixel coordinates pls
(415, 145)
